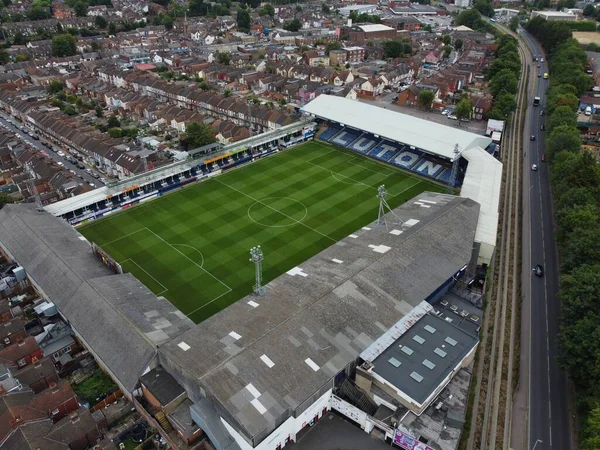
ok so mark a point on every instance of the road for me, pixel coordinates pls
(548, 411)
(14, 127)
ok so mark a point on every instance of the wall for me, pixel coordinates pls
(289, 429)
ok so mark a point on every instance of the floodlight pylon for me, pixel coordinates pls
(385, 208)
(256, 257)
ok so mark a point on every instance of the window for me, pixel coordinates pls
(21, 362)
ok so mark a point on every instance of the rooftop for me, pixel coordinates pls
(263, 357)
(423, 357)
(375, 27)
(431, 137)
(116, 315)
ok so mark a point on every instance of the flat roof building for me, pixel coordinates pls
(554, 15)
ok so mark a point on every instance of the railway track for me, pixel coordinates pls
(491, 419)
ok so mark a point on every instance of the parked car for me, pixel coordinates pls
(80, 166)
(452, 116)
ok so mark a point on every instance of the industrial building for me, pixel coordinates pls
(554, 15)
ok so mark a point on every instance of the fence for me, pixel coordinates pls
(107, 401)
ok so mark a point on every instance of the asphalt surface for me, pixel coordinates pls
(14, 126)
(549, 417)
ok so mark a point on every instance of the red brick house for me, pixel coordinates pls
(38, 376)
(56, 402)
(12, 331)
(21, 353)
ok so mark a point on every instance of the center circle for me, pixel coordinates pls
(277, 212)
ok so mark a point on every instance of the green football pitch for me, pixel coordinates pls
(192, 246)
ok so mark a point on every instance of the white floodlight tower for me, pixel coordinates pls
(256, 256)
(454, 171)
(384, 207)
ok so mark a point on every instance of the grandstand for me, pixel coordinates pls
(407, 142)
(421, 147)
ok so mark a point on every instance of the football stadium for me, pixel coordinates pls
(358, 301)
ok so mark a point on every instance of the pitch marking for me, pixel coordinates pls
(294, 221)
(147, 273)
(195, 249)
(274, 209)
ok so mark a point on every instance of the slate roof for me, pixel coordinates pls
(117, 317)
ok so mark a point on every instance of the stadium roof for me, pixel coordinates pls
(264, 358)
(482, 183)
(431, 137)
(118, 318)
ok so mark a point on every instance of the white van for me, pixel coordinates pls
(588, 111)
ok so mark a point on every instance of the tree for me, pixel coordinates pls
(4, 57)
(112, 29)
(484, 7)
(396, 49)
(198, 135)
(64, 45)
(575, 218)
(464, 109)
(563, 138)
(503, 106)
(589, 11)
(447, 51)
(591, 430)
(99, 112)
(562, 115)
(243, 20)
(470, 18)
(5, 199)
(100, 22)
(81, 8)
(325, 9)
(458, 44)
(298, 8)
(446, 39)
(204, 85)
(38, 13)
(267, 10)
(504, 81)
(513, 24)
(167, 21)
(426, 97)
(19, 39)
(224, 58)
(113, 122)
(55, 86)
(292, 25)
(227, 93)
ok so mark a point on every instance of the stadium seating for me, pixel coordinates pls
(329, 132)
(345, 137)
(407, 158)
(364, 143)
(385, 150)
(429, 167)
